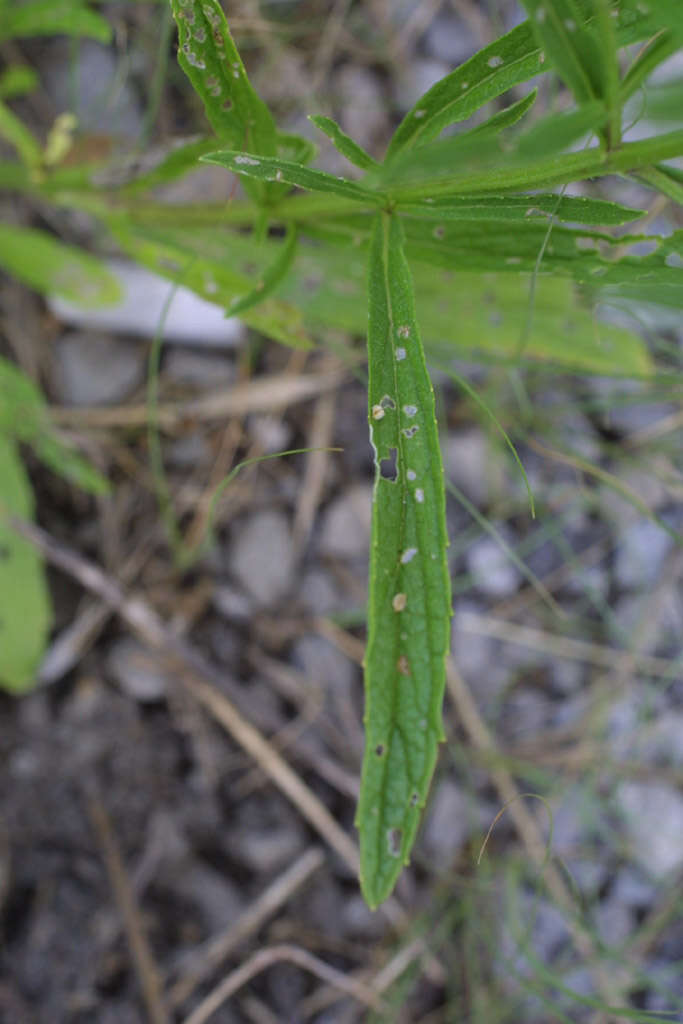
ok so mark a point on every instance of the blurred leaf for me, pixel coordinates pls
(52, 17)
(24, 415)
(200, 261)
(25, 612)
(268, 280)
(664, 102)
(14, 131)
(471, 152)
(659, 49)
(179, 161)
(52, 267)
(271, 169)
(343, 142)
(17, 80)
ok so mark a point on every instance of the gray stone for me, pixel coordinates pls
(105, 99)
(261, 557)
(96, 369)
(449, 40)
(231, 603)
(136, 670)
(473, 465)
(318, 592)
(416, 78)
(494, 574)
(641, 554)
(324, 664)
(450, 820)
(358, 92)
(653, 820)
(632, 888)
(210, 370)
(614, 922)
(346, 524)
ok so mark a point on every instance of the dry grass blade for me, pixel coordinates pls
(208, 956)
(125, 899)
(565, 647)
(265, 394)
(278, 954)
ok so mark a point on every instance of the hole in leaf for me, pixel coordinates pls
(388, 468)
(379, 750)
(414, 797)
(394, 838)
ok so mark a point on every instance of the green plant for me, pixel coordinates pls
(477, 203)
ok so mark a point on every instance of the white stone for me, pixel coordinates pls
(653, 820)
(494, 574)
(189, 318)
(346, 524)
(262, 558)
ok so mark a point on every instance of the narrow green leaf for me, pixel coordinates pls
(535, 206)
(409, 598)
(666, 180)
(49, 266)
(505, 118)
(52, 17)
(512, 59)
(344, 143)
(173, 165)
(14, 131)
(17, 80)
(25, 613)
(271, 169)
(269, 279)
(24, 416)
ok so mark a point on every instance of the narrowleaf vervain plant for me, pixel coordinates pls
(486, 201)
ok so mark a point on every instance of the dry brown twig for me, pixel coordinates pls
(141, 954)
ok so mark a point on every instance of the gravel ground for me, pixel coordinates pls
(146, 851)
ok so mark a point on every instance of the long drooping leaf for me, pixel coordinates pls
(409, 596)
(49, 266)
(25, 612)
(194, 261)
(272, 169)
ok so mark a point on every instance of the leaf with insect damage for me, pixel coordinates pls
(409, 594)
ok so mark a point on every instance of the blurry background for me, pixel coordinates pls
(128, 811)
